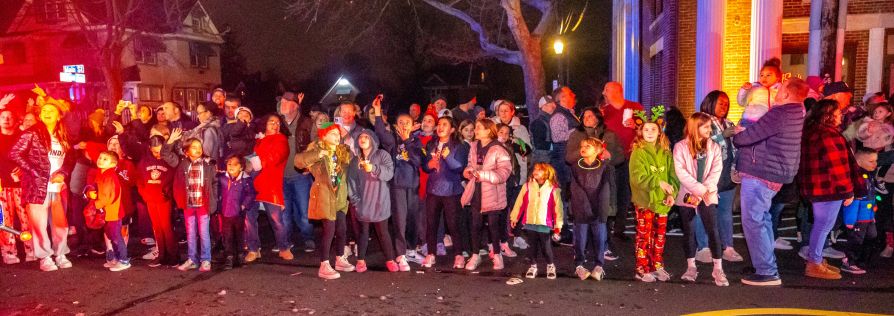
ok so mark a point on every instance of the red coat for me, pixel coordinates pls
(108, 194)
(826, 163)
(273, 150)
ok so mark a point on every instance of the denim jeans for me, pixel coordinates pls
(582, 232)
(776, 213)
(252, 241)
(119, 248)
(724, 221)
(824, 216)
(296, 190)
(757, 224)
(198, 220)
(279, 223)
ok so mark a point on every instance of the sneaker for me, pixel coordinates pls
(782, 244)
(719, 278)
(831, 267)
(498, 262)
(532, 272)
(47, 264)
(442, 251)
(62, 262)
(820, 271)
(473, 263)
(148, 242)
(448, 242)
(582, 273)
(110, 264)
(360, 267)
(251, 256)
(152, 254)
(286, 254)
(402, 264)
(690, 275)
(609, 256)
(647, 277)
(342, 264)
(228, 263)
(598, 273)
(155, 263)
(11, 259)
(846, 266)
(551, 271)
(661, 275)
(520, 243)
(762, 280)
(459, 262)
(429, 261)
(422, 250)
(326, 271)
(120, 266)
(703, 255)
(730, 254)
(205, 266)
(347, 252)
(414, 257)
(888, 252)
(275, 250)
(309, 246)
(831, 253)
(188, 265)
(506, 251)
(392, 266)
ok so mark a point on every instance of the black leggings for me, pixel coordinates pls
(540, 246)
(494, 227)
(450, 207)
(861, 242)
(384, 239)
(336, 230)
(708, 214)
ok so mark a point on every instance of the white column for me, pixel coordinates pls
(708, 48)
(618, 55)
(876, 60)
(766, 33)
(839, 48)
(814, 45)
(632, 47)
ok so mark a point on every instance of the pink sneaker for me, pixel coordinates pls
(392, 266)
(360, 267)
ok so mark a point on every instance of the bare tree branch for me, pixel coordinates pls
(489, 48)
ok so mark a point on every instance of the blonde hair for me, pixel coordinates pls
(697, 144)
(639, 142)
(548, 170)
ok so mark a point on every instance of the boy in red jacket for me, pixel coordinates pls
(108, 199)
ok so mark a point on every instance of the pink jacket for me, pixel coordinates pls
(493, 172)
(686, 167)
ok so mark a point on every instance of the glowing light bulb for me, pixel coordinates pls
(25, 236)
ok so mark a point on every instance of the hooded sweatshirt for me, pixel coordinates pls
(369, 191)
(407, 156)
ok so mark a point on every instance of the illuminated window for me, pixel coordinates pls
(51, 11)
(150, 93)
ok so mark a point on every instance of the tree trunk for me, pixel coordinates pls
(111, 70)
(829, 30)
(535, 79)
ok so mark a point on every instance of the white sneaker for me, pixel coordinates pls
(342, 264)
(473, 262)
(690, 275)
(720, 278)
(11, 259)
(532, 272)
(188, 265)
(459, 262)
(429, 261)
(648, 277)
(730, 254)
(598, 273)
(703, 255)
(831, 253)
(608, 255)
(120, 266)
(448, 242)
(498, 262)
(414, 257)
(887, 253)
(661, 275)
(62, 262)
(148, 242)
(782, 244)
(402, 264)
(110, 264)
(47, 264)
(326, 271)
(506, 251)
(346, 254)
(152, 254)
(582, 273)
(551, 271)
(520, 243)
(205, 266)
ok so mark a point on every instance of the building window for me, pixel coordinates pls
(51, 11)
(189, 98)
(655, 82)
(199, 54)
(145, 56)
(146, 49)
(12, 54)
(150, 93)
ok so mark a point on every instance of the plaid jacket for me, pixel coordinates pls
(826, 164)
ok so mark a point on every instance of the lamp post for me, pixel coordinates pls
(559, 48)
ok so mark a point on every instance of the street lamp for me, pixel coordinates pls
(559, 48)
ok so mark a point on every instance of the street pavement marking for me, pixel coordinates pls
(778, 311)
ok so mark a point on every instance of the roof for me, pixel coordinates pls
(8, 13)
(150, 16)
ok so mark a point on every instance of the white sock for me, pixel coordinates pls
(690, 263)
(718, 264)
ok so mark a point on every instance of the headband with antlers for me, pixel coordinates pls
(43, 99)
(657, 116)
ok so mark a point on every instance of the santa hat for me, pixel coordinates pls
(326, 128)
(431, 112)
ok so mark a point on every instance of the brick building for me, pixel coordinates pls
(662, 59)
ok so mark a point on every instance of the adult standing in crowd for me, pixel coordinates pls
(273, 150)
(173, 114)
(769, 154)
(297, 182)
(540, 131)
(11, 195)
(561, 124)
(44, 154)
(208, 131)
(465, 111)
(238, 132)
(618, 113)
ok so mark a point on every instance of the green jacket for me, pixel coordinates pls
(649, 166)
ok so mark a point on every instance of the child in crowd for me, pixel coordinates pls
(236, 196)
(195, 189)
(539, 209)
(859, 216)
(698, 163)
(154, 185)
(369, 174)
(758, 97)
(591, 205)
(107, 195)
(327, 159)
(654, 185)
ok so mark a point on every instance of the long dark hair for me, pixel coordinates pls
(821, 115)
(709, 103)
(283, 126)
(455, 136)
(600, 120)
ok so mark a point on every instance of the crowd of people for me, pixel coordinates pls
(456, 183)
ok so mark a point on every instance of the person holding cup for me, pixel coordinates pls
(618, 114)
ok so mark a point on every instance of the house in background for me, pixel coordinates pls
(172, 57)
